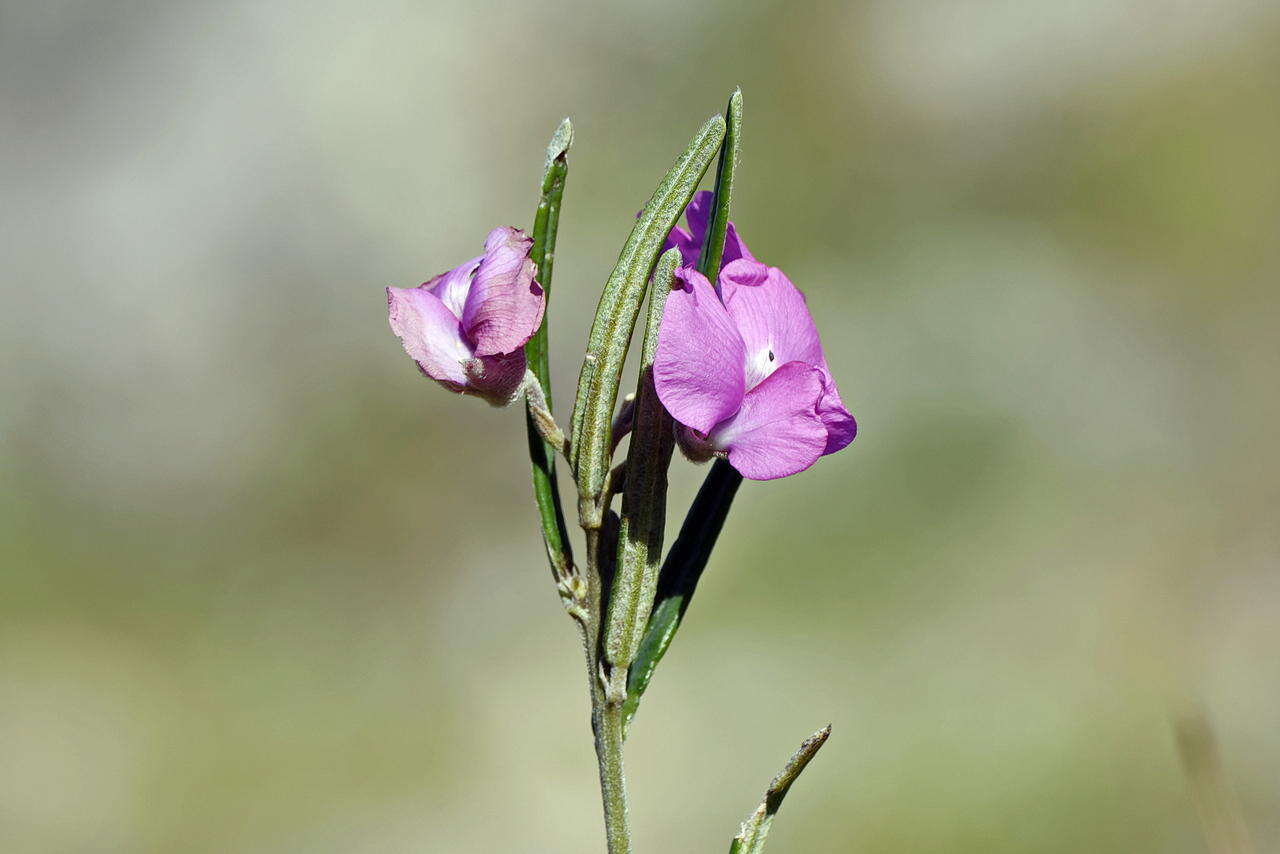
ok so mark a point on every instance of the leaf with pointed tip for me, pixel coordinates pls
(545, 225)
(730, 154)
(616, 317)
(751, 838)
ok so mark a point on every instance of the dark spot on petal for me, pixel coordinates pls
(770, 355)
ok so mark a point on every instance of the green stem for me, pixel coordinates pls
(608, 725)
(606, 711)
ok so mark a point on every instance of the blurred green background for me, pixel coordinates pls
(265, 589)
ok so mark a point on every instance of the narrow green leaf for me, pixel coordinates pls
(616, 317)
(678, 579)
(543, 456)
(751, 838)
(730, 154)
(644, 501)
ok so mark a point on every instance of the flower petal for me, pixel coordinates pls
(743, 271)
(772, 317)
(734, 247)
(452, 287)
(496, 378)
(689, 247)
(698, 213)
(777, 432)
(698, 366)
(430, 333)
(504, 306)
(840, 423)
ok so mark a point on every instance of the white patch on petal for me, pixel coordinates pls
(760, 364)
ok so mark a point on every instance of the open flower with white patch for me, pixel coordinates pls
(743, 372)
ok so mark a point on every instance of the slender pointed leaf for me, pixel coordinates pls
(616, 317)
(751, 838)
(543, 456)
(730, 154)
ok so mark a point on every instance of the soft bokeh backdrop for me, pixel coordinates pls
(265, 589)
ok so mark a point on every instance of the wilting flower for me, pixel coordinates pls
(467, 328)
(743, 370)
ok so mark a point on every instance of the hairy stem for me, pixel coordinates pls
(607, 698)
(608, 726)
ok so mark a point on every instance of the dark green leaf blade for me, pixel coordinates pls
(543, 456)
(681, 570)
(730, 154)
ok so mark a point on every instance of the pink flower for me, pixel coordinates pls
(743, 370)
(467, 328)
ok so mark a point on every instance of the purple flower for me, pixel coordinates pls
(743, 370)
(467, 328)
